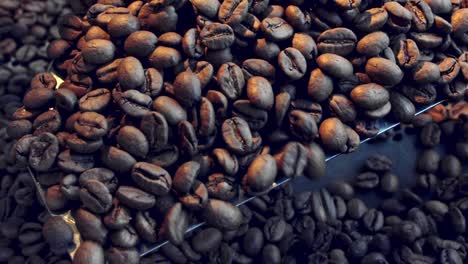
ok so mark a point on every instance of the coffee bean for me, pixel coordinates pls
(340, 41)
(119, 255)
(140, 43)
(422, 16)
(95, 196)
(132, 140)
(89, 252)
(118, 217)
(58, 235)
(98, 51)
(151, 178)
(383, 71)
(370, 96)
(291, 161)
(217, 36)
(305, 44)
(90, 226)
(170, 109)
(367, 180)
(43, 152)
(333, 135)
(222, 215)
(335, 65)
(260, 174)
(135, 103)
(135, 198)
(292, 63)
(320, 85)
(276, 29)
(164, 57)
(430, 135)
(233, 11)
(426, 72)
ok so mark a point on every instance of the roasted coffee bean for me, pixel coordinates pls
(125, 237)
(19, 128)
(130, 73)
(340, 41)
(335, 65)
(175, 224)
(370, 96)
(72, 162)
(89, 252)
(291, 161)
(49, 121)
(222, 215)
(164, 57)
(91, 125)
(151, 178)
(58, 235)
(132, 140)
(383, 71)
(422, 16)
(95, 196)
(260, 175)
(135, 198)
(99, 51)
(233, 12)
(90, 226)
(342, 189)
(315, 165)
(426, 72)
(367, 180)
(450, 166)
(323, 207)
(94, 101)
(356, 208)
(170, 109)
(123, 25)
(333, 135)
(121, 255)
(373, 43)
(430, 135)
(43, 152)
(140, 43)
(371, 20)
(292, 63)
(118, 217)
(207, 240)
(135, 103)
(217, 36)
(276, 29)
(187, 88)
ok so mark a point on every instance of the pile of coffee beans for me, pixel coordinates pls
(169, 110)
(28, 240)
(423, 224)
(26, 27)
